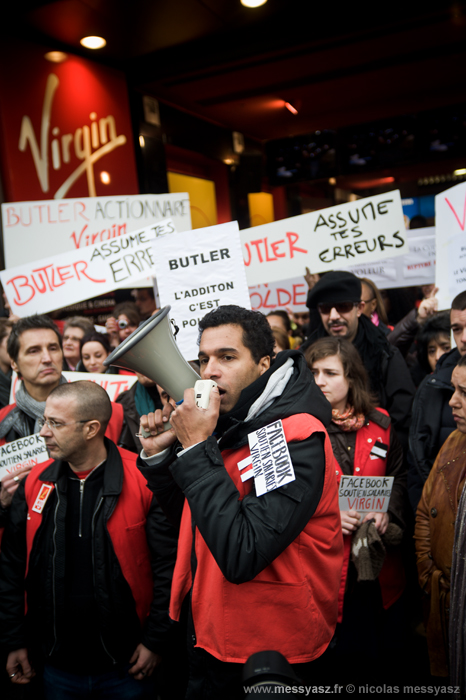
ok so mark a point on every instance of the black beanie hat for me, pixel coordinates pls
(335, 287)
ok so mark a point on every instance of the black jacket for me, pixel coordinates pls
(432, 422)
(128, 438)
(43, 631)
(246, 536)
(389, 376)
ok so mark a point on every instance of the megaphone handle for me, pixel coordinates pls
(146, 434)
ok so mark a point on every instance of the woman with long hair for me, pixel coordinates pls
(364, 444)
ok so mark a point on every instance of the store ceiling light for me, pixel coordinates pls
(253, 3)
(93, 42)
(56, 56)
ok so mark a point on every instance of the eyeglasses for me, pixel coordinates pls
(342, 307)
(53, 425)
(367, 301)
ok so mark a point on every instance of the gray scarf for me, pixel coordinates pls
(24, 404)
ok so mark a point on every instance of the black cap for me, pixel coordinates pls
(335, 287)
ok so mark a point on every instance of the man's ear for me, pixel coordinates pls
(14, 367)
(361, 306)
(92, 428)
(264, 364)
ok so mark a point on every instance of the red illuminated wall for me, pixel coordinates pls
(71, 121)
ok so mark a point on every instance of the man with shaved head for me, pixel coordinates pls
(80, 545)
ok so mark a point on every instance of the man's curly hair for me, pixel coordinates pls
(257, 334)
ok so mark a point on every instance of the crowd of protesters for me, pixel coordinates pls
(107, 566)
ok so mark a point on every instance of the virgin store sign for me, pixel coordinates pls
(65, 128)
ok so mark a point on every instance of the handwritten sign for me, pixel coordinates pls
(414, 268)
(25, 452)
(80, 274)
(450, 219)
(198, 272)
(291, 294)
(114, 384)
(366, 494)
(328, 239)
(32, 230)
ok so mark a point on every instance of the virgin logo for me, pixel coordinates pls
(89, 143)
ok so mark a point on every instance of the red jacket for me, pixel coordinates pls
(129, 541)
(392, 577)
(291, 605)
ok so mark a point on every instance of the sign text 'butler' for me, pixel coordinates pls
(81, 274)
(328, 239)
(198, 272)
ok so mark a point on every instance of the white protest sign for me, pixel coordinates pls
(328, 239)
(366, 494)
(71, 277)
(291, 294)
(197, 272)
(271, 462)
(450, 221)
(414, 268)
(32, 230)
(25, 452)
(114, 384)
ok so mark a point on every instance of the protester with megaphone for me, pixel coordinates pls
(259, 559)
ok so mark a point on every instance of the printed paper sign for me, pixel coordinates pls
(198, 272)
(56, 281)
(366, 494)
(25, 452)
(450, 220)
(114, 384)
(32, 230)
(328, 239)
(271, 461)
(414, 268)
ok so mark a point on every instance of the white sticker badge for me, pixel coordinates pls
(44, 493)
(271, 461)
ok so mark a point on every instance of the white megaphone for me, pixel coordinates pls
(152, 350)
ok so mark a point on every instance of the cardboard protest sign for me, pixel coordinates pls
(414, 268)
(64, 279)
(450, 222)
(25, 452)
(328, 239)
(114, 384)
(32, 230)
(287, 294)
(366, 494)
(198, 272)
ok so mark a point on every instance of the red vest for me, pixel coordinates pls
(126, 527)
(392, 577)
(291, 606)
